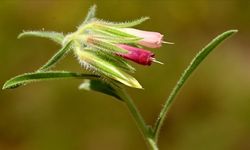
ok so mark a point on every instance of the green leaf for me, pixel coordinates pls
(56, 58)
(41, 76)
(100, 86)
(97, 63)
(126, 24)
(90, 15)
(201, 55)
(54, 36)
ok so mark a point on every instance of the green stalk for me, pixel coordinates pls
(143, 127)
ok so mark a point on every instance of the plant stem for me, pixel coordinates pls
(144, 128)
(186, 74)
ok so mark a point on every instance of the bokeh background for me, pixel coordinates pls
(212, 112)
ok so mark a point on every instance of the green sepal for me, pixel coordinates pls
(102, 87)
(98, 64)
(119, 40)
(54, 36)
(41, 76)
(107, 46)
(116, 61)
(89, 16)
(110, 30)
(126, 24)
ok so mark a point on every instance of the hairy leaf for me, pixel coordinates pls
(41, 76)
(126, 24)
(54, 36)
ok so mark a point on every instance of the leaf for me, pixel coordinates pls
(56, 58)
(54, 36)
(42, 76)
(100, 86)
(200, 56)
(97, 63)
(126, 24)
(90, 15)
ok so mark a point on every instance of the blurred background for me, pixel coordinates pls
(212, 112)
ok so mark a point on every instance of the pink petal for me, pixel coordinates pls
(137, 55)
(150, 39)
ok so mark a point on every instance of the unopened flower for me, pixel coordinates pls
(138, 55)
(149, 39)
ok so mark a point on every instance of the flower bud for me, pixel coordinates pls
(137, 55)
(149, 39)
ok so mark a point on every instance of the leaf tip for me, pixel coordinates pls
(232, 31)
(135, 84)
(20, 35)
(7, 85)
(93, 7)
(4, 87)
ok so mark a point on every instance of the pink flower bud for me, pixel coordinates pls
(150, 39)
(137, 55)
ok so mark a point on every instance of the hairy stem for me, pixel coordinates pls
(186, 74)
(144, 128)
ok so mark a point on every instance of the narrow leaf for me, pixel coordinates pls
(56, 58)
(201, 55)
(41, 76)
(126, 24)
(54, 36)
(100, 86)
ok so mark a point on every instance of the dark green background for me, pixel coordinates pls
(212, 112)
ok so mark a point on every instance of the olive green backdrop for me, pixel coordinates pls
(212, 112)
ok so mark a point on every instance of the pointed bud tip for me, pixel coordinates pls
(165, 42)
(135, 84)
(156, 61)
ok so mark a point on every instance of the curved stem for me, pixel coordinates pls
(144, 128)
(186, 74)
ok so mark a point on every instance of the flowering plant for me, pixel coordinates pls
(103, 48)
